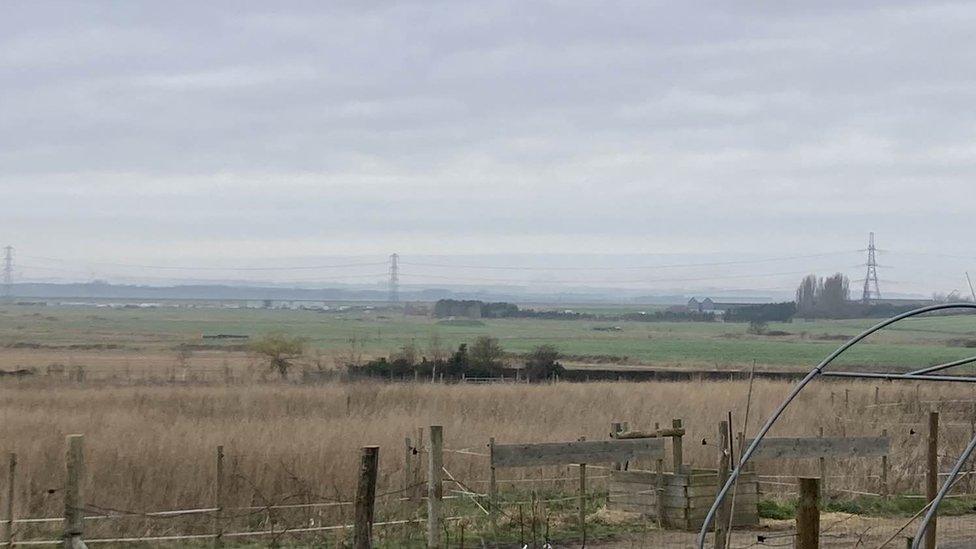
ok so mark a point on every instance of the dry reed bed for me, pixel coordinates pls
(152, 448)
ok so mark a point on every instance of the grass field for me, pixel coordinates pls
(151, 440)
(152, 448)
(66, 333)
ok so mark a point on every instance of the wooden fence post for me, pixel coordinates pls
(582, 499)
(884, 470)
(972, 435)
(823, 471)
(365, 497)
(676, 448)
(492, 483)
(724, 512)
(877, 394)
(435, 487)
(932, 477)
(418, 491)
(73, 513)
(8, 534)
(808, 515)
(218, 526)
(659, 486)
(741, 443)
(407, 468)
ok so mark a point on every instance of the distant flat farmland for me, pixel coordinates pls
(34, 336)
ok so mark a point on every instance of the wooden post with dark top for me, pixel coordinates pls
(932, 476)
(659, 487)
(435, 487)
(808, 514)
(677, 448)
(582, 498)
(407, 468)
(365, 497)
(75, 470)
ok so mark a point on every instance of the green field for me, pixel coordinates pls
(918, 342)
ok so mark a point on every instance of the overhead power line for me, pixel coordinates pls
(590, 281)
(625, 268)
(212, 268)
(90, 274)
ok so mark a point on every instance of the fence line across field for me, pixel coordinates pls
(619, 453)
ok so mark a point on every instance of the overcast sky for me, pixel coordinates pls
(210, 131)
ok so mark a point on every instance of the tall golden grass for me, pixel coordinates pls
(153, 447)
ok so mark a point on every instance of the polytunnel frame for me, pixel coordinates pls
(922, 374)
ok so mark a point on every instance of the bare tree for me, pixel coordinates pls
(823, 297)
(835, 294)
(806, 296)
(435, 347)
(280, 350)
(486, 354)
(407, 352)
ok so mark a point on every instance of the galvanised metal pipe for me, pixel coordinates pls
(945, 366)
(943, 492)
(720, 497)
(905, 377)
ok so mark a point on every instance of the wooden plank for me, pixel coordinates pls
(650, 478)
(678, 518)
(679, 502)
(565, 453)
(833, 447)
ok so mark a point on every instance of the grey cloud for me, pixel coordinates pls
(232, 122)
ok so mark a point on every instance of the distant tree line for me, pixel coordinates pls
(762, 312)
(485, 357)
(446, 308)
(830, 298)
(823, 297)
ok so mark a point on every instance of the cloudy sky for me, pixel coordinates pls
(207, 132)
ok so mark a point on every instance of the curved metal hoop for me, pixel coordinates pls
(733, 477)
(943, 492)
